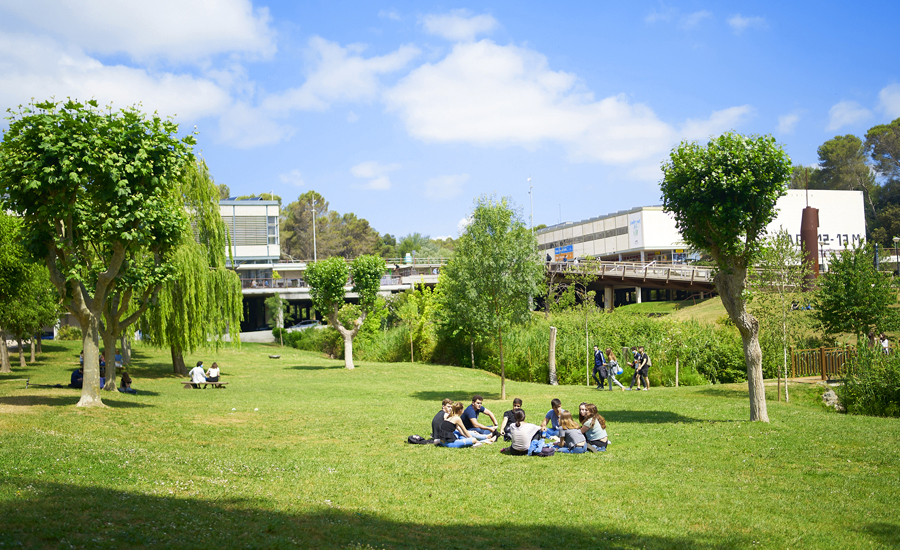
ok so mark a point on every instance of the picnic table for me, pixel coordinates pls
(191, 384)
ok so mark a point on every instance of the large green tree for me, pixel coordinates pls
(883, 145)
(843, 164)
(202, 301)
(493, 274)
(327, 280)
(853, 297)
(93, 186)
(722, 196)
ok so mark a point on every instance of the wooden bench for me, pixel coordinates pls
(190, 384)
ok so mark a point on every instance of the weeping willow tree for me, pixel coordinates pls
(202, 301)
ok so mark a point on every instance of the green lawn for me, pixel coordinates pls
(299, 452)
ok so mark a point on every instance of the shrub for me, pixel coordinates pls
(872, 385)
(66, 332)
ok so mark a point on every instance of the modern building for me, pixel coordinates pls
(648, 234)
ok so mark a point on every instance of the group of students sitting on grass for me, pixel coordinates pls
(456, 427)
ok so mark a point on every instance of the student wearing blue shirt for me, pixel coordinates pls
(470, 417)
(552, 417)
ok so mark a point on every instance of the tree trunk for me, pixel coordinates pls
(552, 358)
(348, 351)
(178, 361)
(347, 335)
(5, 367)
(731, 281)
(412, 358)
(126, 350)
(40, 344)
(502, 367)
(90, 390)
(32, 360)
(472, 350)
(109, 353)
(21, 353)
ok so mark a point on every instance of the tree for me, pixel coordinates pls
(853, 297)
(722, 196)
(842, 162)
(883, 145)
(224, 191)
(582, 275)
(277, 305)
(778, 282)
(494, 272)
(418, 312)
(327, 280)
(202, 301)
(297, 225)
(92, 187)
(261, 196)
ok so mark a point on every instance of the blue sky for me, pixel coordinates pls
(404, 112)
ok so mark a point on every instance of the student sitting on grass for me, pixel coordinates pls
(553, 417)
(470, 417)
(594, 429)
(451, 431)
(571, 440)
(509, 419)
(77, 380)
(125, 387)
(522, 434)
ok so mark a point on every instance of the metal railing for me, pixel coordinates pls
(824, 362)
(654, 270)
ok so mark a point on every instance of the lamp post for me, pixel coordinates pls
(896, 259)
(531, 198)
(315, 255)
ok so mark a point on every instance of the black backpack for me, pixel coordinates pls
(418, 440)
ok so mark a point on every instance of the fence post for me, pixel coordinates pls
(676, 370)
(822, 361)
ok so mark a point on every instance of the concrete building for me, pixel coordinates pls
(648, 234)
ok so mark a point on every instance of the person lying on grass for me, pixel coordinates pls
(552, 417)
(571, 440)
(509, 419)
(522, 434)
(593, 426)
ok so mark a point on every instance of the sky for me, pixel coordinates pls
(405, 112)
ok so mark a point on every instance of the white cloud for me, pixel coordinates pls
(787, 123)
(459, 25)
(389, 14)
(739, 23)
(294, 177)
(718, 122)
(352, 117)
(889, 100)
(445, 187)
(175, 30)
(339, 74)
(846, 113)
(246, 127)
(663, 14)
(487, 94)
(693, 19)
(41, 68)
(462, 224)
(376, 173)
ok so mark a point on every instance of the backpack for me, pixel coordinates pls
(418, 440)
(546, 451)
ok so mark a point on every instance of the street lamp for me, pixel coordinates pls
(896, 259)
(531, 198)
(313, 203)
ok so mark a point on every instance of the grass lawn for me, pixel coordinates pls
(299, 452)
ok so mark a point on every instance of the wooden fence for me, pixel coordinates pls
(824, 362)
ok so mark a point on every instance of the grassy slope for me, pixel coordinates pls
(300, 452)
(707, 311)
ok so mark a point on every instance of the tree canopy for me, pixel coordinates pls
(493, 275)
(723, 196)
(95, 189)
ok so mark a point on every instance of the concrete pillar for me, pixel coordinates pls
(608, 298)
(643, 259)
(637, 291)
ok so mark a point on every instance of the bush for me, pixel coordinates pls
(66, 332)
(872, 385)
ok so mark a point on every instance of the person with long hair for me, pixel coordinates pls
(522, 434)
(571, 439)
(450, 429)
(594, 429)
(612, 367)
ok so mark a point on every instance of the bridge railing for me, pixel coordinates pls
(656, 270)
(824, 362)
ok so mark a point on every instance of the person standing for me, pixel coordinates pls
(600, 370)
(613, 367)
(885, 344)
(635, 364)
(644, 368)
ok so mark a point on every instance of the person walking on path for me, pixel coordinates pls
(612, 367)
(600, 369)
(635, 364)
(644, 367)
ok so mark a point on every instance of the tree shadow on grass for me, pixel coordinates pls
(315, 367)
(647, 417)
(729, 391)
(887, 535)
(69, 400)
(141, 521)
(457, 395)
